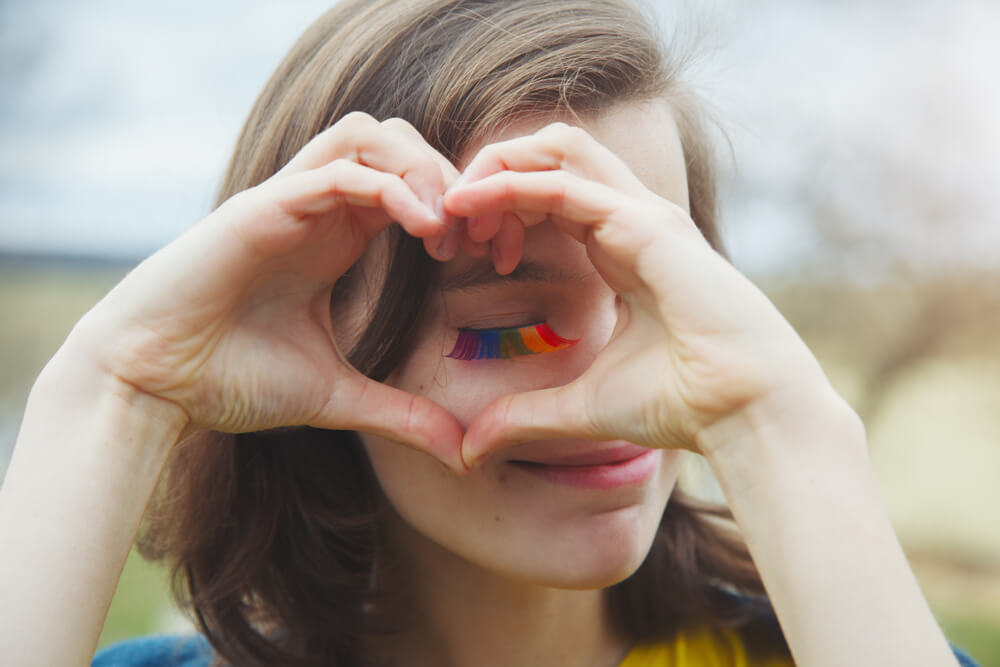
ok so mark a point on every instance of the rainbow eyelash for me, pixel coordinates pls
(507, 343)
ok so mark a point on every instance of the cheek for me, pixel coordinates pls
(409, 478)
(465, 388)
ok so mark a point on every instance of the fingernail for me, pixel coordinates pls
(470, 463)
(438, 209)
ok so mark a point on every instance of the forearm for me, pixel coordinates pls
(802, 489)
(87, 458)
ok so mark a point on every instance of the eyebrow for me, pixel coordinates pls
(483, 274)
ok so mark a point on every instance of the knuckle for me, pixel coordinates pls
(554, 127)
(557, 200)
(490, 153)
(356, 127)
(339, 168)
(574, 140)
(575, 133)
(509, 190)
(567, 142)
(566, 133)
(356, 120)
(398, 124)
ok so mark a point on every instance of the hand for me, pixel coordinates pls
(232, 321)
(695, 341)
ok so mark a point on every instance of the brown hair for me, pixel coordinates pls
(273, 535)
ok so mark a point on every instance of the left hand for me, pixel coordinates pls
(695, 341)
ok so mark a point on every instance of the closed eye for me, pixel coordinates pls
(508, 342)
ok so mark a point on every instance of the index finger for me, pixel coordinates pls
(556, 193)
(557, 146)
(393, 145)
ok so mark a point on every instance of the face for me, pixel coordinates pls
(563, 513)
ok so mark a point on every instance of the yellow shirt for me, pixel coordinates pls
(703, 648)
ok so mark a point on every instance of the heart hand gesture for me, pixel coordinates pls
(695, 341)
(232, 321)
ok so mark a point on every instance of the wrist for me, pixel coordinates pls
(72, 389)
(796, 474)
(87, 458)
(796, 431)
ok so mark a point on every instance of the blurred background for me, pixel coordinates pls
(859, 143)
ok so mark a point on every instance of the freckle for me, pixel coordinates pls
(496, 518)
(421, 388)
(502, 478)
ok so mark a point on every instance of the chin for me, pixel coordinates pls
(595, 556)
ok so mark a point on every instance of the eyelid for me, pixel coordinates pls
(499, 329)
(505, 343)
(512, 317)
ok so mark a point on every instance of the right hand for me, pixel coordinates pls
(231, 322)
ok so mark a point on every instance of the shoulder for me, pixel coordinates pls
(189, 651)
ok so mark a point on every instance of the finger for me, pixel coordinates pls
(334, 143)
(508, 244)
(343, 182)
(393, 145)
(619, 230)
(473, 248)
(557, 146)
(536, 415)
(428, 184)
(361, 404)
(443, 247)
(556, 193)
(484, 227)
(530, 219)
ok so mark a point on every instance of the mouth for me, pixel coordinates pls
(601, 468)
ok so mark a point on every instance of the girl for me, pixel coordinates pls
(418, 391)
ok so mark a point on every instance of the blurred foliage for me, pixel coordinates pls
(40, 301)
(142, 604)
(979, 636)
(880, 331)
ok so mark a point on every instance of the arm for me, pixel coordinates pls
(228, 328)
(701, 360)
(87, 458)
(800, 484)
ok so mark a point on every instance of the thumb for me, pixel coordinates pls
(362, 404)
(543, 414)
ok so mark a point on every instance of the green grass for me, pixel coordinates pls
(977, 635)
(141, 605)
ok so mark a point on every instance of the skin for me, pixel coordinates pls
(498, 528)
(696, 359)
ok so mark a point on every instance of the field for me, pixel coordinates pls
(920, 362)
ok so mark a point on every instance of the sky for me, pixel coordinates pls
(861, 128)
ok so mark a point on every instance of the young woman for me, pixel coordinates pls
(418, 391)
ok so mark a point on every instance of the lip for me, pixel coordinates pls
(605, 468)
